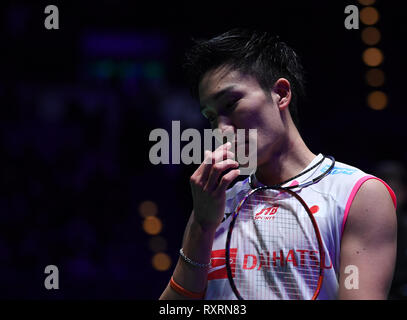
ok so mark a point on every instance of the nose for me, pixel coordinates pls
(227, 129)
(224, 124)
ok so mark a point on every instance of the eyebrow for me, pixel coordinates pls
(218, 95)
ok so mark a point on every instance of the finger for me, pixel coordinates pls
(226, 180)
(221, 151)
(216, 170)
(219, 154)
(207, 168)
(210, 158)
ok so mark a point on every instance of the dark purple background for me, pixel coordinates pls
(77, 106)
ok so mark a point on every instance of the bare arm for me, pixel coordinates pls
(369, 243)
(197, 245)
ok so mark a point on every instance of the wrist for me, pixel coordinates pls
(203, 226)
(198, 241)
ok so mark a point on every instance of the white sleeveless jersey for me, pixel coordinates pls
(329, 200)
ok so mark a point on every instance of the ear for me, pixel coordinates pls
(282, 88)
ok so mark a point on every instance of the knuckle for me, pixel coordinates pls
(225, 179)
(193, 180)
(230, 161)
(207, 157)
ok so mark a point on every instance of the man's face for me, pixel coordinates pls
(231, 100)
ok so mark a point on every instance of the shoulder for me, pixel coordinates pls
(361, 193)
(369, 242)
(375, 191)
(373, 210)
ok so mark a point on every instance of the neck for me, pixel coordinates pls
(287, 162)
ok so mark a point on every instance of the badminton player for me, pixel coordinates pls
(248, 79)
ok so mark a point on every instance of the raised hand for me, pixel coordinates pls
(209, 188)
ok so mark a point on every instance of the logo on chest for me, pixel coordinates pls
(218, 264)
(267, 213)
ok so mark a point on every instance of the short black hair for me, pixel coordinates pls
(253, 52)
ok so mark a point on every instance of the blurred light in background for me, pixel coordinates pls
(152, 225)
(371, 36)
(373, 57)
(369, 15)
(148, 208)
(161, 261)
(367, 2)
(375, 77)
(377, 100)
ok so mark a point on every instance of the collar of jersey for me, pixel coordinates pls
(301, 179)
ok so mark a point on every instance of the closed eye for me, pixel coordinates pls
(229, 107)
(224, 109)
(209, 115)
(211, 118)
